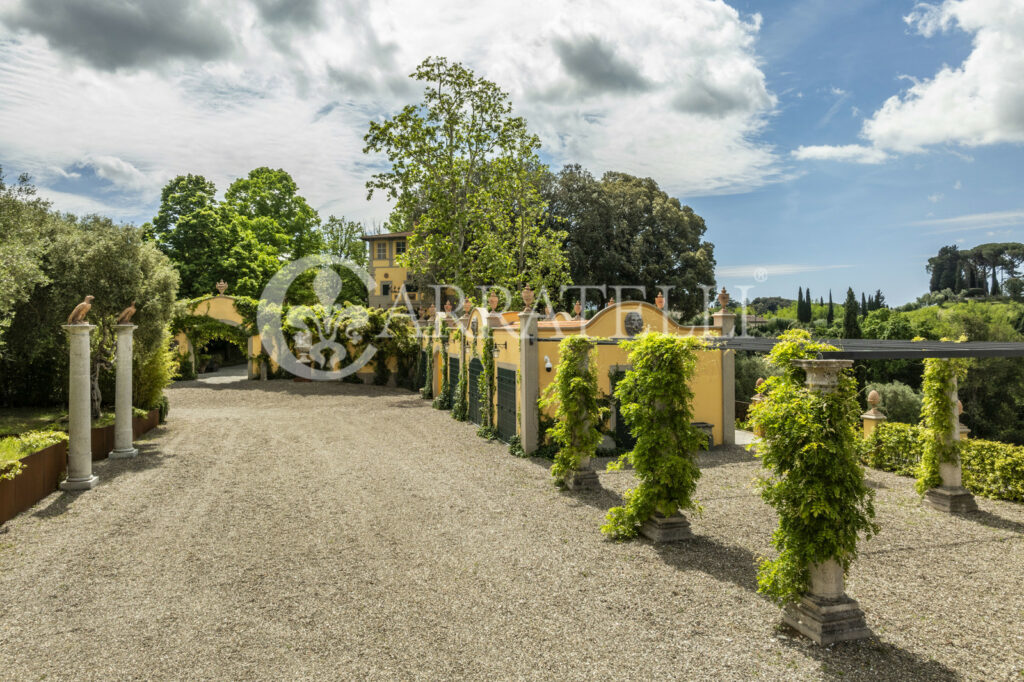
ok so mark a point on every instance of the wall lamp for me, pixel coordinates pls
(547, 363)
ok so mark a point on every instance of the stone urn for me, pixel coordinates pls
(577, 309)
(222, 286)
(611, 302)
(447, 308)
(723, 298)
(492, 301)
(660, 301)
(527, 295)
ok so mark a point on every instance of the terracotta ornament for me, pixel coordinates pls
(77, 315)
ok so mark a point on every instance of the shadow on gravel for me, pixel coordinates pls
(108, 470)
(992, 521)
(727, 563)
(869, 659)
(600, 498)
(721, 455)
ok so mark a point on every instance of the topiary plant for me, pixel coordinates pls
(815, 483)
(657, 403)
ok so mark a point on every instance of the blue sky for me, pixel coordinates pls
(827, 144)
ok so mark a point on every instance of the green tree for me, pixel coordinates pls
(624, 230)
(830, 318)
(851, 326)
(291, 225)
(464, 176)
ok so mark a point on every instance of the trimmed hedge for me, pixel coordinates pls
(990, 469)
(13, 449)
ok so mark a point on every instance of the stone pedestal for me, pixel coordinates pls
(825, 614)
(951, 496)
(123, 434)
(726, 322)
(584, 478)
(660, 528)
(529, 387)
(80, 476)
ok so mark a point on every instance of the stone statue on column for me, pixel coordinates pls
(80, 476)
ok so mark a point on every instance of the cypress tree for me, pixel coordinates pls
(851, 327)
(830, 317)
(995, 283)
(863, 305)
(808, 315)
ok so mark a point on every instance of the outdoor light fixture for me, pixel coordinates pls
(547, 363)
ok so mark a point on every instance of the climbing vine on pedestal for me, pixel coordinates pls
(573, 393)
(937, 417)
(814, 479)
(427, 390)
(487, 387)
(657, 403)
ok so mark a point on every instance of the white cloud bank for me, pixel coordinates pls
(979, 102)
(674, 91)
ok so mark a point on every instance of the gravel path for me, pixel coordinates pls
(278, 530)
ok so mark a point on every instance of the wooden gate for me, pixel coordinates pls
(506, 403)
(623, 438)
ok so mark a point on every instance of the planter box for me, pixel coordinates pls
(43, 471)
(103, 436)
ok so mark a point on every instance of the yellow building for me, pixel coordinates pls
(388, 276)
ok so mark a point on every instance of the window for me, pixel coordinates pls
(385, 288)
(399, 247)
(382, 251)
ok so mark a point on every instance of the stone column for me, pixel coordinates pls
(826, 614)
(123, 434)
(726, 321)
(872, 419)
(529, 381)
(952, 496)
(80, 476)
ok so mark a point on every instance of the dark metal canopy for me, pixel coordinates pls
(878, 349)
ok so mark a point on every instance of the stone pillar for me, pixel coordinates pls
(952, 496)
(872, 419)
(826, 614)
(80, 476)
(726, 321)
(123, 434)
(529, 381)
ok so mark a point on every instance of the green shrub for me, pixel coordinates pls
(810, 450)
(894, 447)
(573, 393)
(12, 450)
(154, 372)
(657, 402)
(990, 469)
(900, 403)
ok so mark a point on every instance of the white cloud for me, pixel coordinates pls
(850, 152)
(936, 198)
(777, 270)
(683, 100)
(958, 185)
(980, 101)
(839, 92)
(974, 221)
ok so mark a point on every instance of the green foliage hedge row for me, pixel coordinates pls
(13, 449)
(990, 469)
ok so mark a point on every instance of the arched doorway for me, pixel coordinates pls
(215, 322)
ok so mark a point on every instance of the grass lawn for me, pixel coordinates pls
(16, 420)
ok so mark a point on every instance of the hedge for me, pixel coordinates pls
(13, 449)
(990, 469)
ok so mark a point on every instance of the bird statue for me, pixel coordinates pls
(126, 315)
(77, 315)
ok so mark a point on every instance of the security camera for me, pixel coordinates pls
(547, 363)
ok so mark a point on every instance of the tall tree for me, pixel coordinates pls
(863, 305)
(800, 304)
(465, 179)
(624, 230)
(851, 325)
(831, 316)
(290, 223)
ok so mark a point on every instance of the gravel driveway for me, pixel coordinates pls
(280, 530)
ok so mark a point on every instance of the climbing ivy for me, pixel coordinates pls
(444, 401)
(460, 403)
(657, 402)
(427, 390)
(814, 480)
(939, 382)
(573, 393)
(487, 387)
